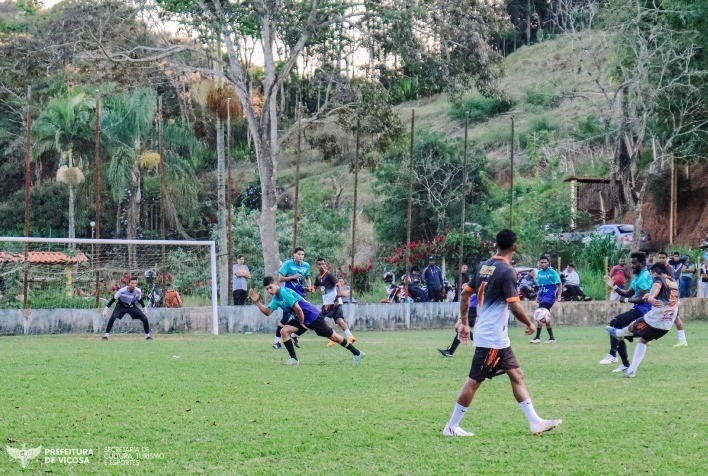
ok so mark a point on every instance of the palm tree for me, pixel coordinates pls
(65, 123)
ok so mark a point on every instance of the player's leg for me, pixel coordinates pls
(539, 329)
(116, 314)
(518, 387)
(549, 328)
(681, 333)
(345, 328)
(646, 334)
(286, 332)
(619, 322)
(139, 315)
(321, 328)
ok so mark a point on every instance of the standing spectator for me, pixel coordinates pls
(703, 289)
(663, 257)
(687, 273)
(677, 263)
(619, 273)
(240, 284)
(460, 281)
(433, 277)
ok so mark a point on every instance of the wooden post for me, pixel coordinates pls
(229, 184)
(607, 271)
(410, 202)
(574, 202)
(458, 288)
(511, 188)
(296, 216)
(28, 186)
(671, 201)
(97, 200)
(356, 183)
(163, 190)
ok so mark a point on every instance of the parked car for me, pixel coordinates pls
(622, 233)
(568, 237)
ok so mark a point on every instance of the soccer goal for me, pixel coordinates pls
(62, 273)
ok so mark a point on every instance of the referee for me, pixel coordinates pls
(127, 298)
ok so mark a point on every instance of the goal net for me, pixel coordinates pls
(57, 273)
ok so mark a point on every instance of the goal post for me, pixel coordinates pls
(64, 273)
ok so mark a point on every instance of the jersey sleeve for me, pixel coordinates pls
(288, 297)
(555, 277)
(307, 271)
(284, 268)
(511, 293)
(274, 303)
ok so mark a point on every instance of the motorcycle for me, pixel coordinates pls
(395, 292)
(156, 294)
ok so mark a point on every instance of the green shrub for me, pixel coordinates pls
(479, 108)
(541, 98)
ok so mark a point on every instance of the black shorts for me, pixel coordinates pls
(626, 318)
(546, 305)
(488, 363)
(333, 312)
(134, 312)
(640, 328)
(319, 326)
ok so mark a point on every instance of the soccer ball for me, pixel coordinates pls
(542, 315)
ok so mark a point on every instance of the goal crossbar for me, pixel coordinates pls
(101, 241)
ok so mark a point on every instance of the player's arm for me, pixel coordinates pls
(465, 295)
(628, 293)
(256, 298)
(650, 297)
(299, 314)
(520, 315)
(110, 303)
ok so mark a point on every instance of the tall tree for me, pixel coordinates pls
(66, 120)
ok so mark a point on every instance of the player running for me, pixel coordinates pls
(304, 317)
(495, 284)
(663, 298)
(331, 300)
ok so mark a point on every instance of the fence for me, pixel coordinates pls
(234, 319)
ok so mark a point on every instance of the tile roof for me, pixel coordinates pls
(44, 257)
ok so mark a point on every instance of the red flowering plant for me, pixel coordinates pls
(447, 246)
(361, 277)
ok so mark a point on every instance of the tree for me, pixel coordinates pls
(65, 121)
(283, 29)
(653, 92)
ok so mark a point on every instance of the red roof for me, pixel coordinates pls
(43, 257)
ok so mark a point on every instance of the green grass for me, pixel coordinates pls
(226, 405)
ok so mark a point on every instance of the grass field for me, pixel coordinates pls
(226, 405)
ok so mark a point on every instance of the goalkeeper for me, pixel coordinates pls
(127, 298)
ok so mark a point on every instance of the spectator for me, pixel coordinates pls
(619, 273)
(241, 274)
(528, 287)
(677, 263)
(433, 277)
(687, 273)
(459, 282)
(572, 285)
(703, 289)
(415, 292)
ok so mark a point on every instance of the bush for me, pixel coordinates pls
(541, 98)
(479, 108)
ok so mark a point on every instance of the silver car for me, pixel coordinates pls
(622, 233)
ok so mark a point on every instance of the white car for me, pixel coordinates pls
(622, 233)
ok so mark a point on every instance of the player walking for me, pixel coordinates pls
(495, 284)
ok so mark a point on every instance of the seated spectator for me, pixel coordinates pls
(415, 291)
(573, 292)
(527, 286)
